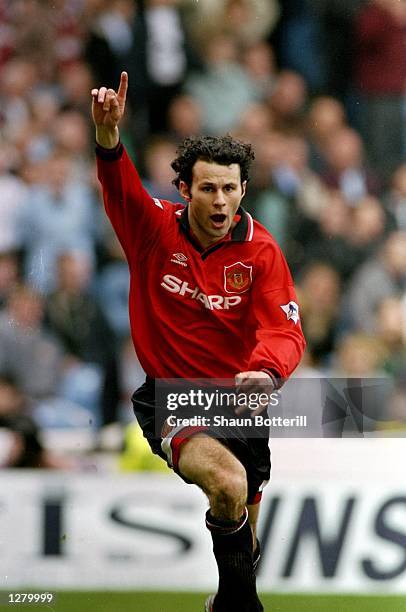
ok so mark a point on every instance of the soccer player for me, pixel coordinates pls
(211, 297)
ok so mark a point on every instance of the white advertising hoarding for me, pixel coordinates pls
(333, 519)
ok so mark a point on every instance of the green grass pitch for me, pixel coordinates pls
(193, 602)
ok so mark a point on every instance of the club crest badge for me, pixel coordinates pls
(292, 311)
(237, 278)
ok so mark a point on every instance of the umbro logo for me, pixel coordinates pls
(180, 259)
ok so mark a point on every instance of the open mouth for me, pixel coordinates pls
(218, 220)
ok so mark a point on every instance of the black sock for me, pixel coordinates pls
(232, 547)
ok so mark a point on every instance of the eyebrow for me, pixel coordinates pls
(210, 183)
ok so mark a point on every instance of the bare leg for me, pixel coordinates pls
(210, 465)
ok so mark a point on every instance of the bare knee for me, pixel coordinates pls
(211, 466)
(227, 492)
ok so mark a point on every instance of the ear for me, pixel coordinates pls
(184, 191)
(244, 188)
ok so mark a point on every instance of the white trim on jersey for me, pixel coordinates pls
(158, 203)
(251, 229)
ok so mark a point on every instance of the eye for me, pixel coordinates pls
(207, 188)
(229, 188)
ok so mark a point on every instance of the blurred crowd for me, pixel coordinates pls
(318, 87)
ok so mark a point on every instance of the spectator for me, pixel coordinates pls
(59, 215)
(359, 355)
(45, 106)
(299, 42)
(25, 449)
(225, 90)
(287, 102)
(109, 38)
(184, 118)
(326, 117)
(378, 278)
(356, 392)
(259, 63)
(27, 352)
(8, 34)
(75, 318)
(248, 21)
(319, 295)
(346, 168)
(269, 205)
(282, 169)
(66, 21)
(336, 19)
(18, 77)
(70, 136)
(9, 275)
(380, 76)
(159, 61)
(395, 411)
(294, 178)
(368, 224)
(255, 123)
(159, 154)
(73, 80)
(396, 198)
(112, 288)
(326, 238)
(35, 34)
(13, 196)
(390, 326)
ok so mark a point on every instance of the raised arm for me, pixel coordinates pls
(108, 108)
(136, 217)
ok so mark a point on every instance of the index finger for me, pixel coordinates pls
(122, 90)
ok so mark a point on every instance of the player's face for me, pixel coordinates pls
(214, 198)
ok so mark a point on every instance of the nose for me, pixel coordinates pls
(219, 200)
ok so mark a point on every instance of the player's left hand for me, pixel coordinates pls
(257, 382)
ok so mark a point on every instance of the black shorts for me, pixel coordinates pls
(252, 452)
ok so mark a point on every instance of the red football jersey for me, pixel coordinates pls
(194, 312)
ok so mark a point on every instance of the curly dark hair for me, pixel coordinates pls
(223, 150)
